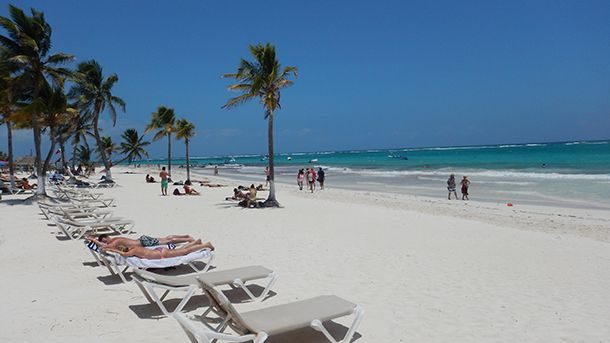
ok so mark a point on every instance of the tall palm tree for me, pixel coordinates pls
(82, 128)
(94, 94)
(185, 130)
(7, 107)
(28, 45)
(262, 79)
(133, 146)
(56, 113)
(83, 155)
(164, 121)
(107, 147)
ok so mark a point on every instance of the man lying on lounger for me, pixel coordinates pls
(105, 241)
(161, 252)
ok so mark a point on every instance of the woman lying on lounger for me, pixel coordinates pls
(105, 241)
(160, 252)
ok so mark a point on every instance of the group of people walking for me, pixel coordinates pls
(451, 187)
(310, 176)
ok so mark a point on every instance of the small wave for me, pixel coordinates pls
(481, 173)
(535, 144)
(573, 143)
(596, 143)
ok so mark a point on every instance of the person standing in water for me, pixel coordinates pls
(451, 186)
(164, 181)
(465, 184)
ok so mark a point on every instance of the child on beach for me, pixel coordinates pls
(465, 184)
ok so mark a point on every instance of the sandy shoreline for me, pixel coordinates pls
(425, 270)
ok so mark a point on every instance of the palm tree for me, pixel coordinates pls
(27, 45)
(94, 94)
(7, 108)
(132, 146)
(185, 130)
(262, 79)
(83, 155)
(164, 121)
(107, 147)
(82, 128)
(56, 113)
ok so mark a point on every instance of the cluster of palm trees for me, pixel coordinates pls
(164, 122)
(33, 96)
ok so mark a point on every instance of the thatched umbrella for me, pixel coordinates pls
(28, 161)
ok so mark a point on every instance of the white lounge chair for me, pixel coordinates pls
(258, 325)
(77, 229)
(77, 213)
(118, 265)
(149, 282)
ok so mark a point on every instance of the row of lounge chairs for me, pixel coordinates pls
(82, 212)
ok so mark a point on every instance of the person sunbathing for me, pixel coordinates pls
(188, 190)
(161, 252)
(105, 241)
(237, 195)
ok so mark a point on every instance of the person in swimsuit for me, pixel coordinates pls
(451, 186)
(465, 184)
(300, 179)
(105, 241)
(321, 177)
(188, 190)
(268, 176)
(160, 252)
(164, 182)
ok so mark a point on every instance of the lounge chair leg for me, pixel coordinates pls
(238, 283)
(318, 326)
(148, 289)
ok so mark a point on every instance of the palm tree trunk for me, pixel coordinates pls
(98, 140)
(47, 160)
(11, 165)
(169, 154)
(271, 200)
(188, 167)
(41, 190)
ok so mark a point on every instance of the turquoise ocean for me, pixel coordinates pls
(573, 173)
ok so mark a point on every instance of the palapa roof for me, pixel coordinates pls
(25, 161)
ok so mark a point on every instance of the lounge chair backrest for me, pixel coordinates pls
(221, 302)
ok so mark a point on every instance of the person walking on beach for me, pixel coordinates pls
(215, 170)
(311, 178)
(300, 179)
(465, 184)
(321, 177)
(164, 181)
(268, 176)
(451, 186)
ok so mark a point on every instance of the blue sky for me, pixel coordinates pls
(372, 74)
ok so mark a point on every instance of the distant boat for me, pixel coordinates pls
(399, 157)
(289, 158)
(315, 160)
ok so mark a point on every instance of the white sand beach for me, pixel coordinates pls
(424, 270)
